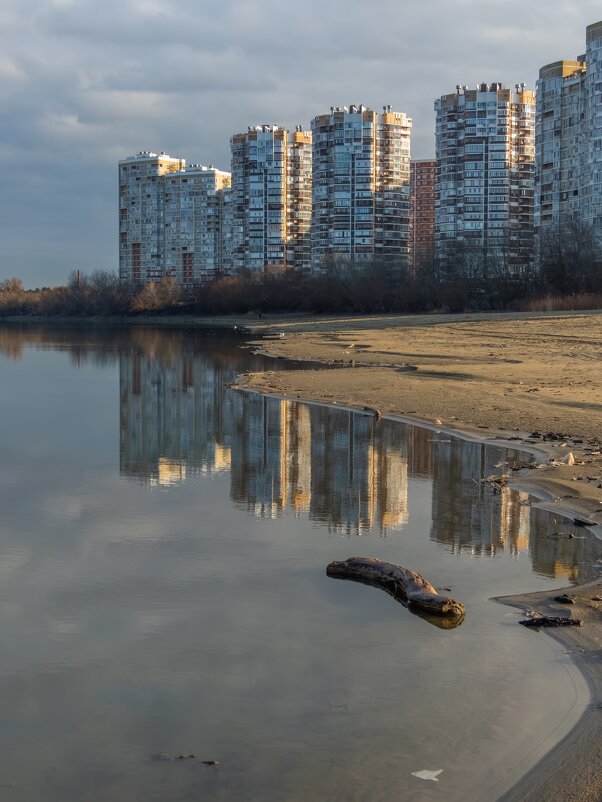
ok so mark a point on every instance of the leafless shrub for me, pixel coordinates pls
(558, 303)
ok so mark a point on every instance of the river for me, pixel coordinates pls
(163, 545)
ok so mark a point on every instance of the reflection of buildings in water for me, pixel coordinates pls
(391, 476)
(272, 448)
(169, 472)
(470, 516)
(257, 473)
(467, 513)
(172, 418)
(420, 452)
(299, 457)
(555, 554)
(360, 471)
(337, 466)
(343, 475)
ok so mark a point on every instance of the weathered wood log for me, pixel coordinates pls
(550, 621)
(405, 585)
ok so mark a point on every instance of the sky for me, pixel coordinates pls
(84, 83)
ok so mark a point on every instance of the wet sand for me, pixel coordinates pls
(532, 381)
(571, 771)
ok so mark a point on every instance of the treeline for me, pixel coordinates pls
(469, 279)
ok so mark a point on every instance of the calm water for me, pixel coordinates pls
(163, 544)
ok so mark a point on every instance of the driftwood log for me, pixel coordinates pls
(405, 585)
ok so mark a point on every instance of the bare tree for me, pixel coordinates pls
(569, 258)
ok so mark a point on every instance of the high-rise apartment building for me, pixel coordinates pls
(227, 229)
(173, 220)
(569, 139)
(592, 185)
(361, 185)
(141, 223)
(485, 147)
(558, 134)
(271, 188)
(423, 177)
(299, 181)
(194, 224)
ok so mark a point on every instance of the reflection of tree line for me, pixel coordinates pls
(102, 344)
(84, 343)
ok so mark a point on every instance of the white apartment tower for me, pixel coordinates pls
(485, 148)
(141, 223)
(271, 198)
(569, 140)
(173, 220)
(361, 184)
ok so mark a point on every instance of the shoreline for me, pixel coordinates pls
(566, 423)
(569, 771)
(528, 480)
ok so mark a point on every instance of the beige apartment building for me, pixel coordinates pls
(361, 185)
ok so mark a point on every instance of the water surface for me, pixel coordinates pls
(163, 544)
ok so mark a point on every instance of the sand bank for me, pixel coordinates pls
(496, 376)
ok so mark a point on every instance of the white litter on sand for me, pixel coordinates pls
(425, 774)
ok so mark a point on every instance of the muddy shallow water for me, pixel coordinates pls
(163, 545)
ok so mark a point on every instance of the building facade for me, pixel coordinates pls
(271, 188)
(569, 141)
(299, 181)
(173, 220)
(485, 147)
(361, 185)
(194, 224)
(421, 239)
(141, 212)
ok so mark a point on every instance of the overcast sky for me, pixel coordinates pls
(84, 83)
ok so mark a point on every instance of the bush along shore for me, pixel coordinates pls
(340, 287)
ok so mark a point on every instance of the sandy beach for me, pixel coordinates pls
(533, 381)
